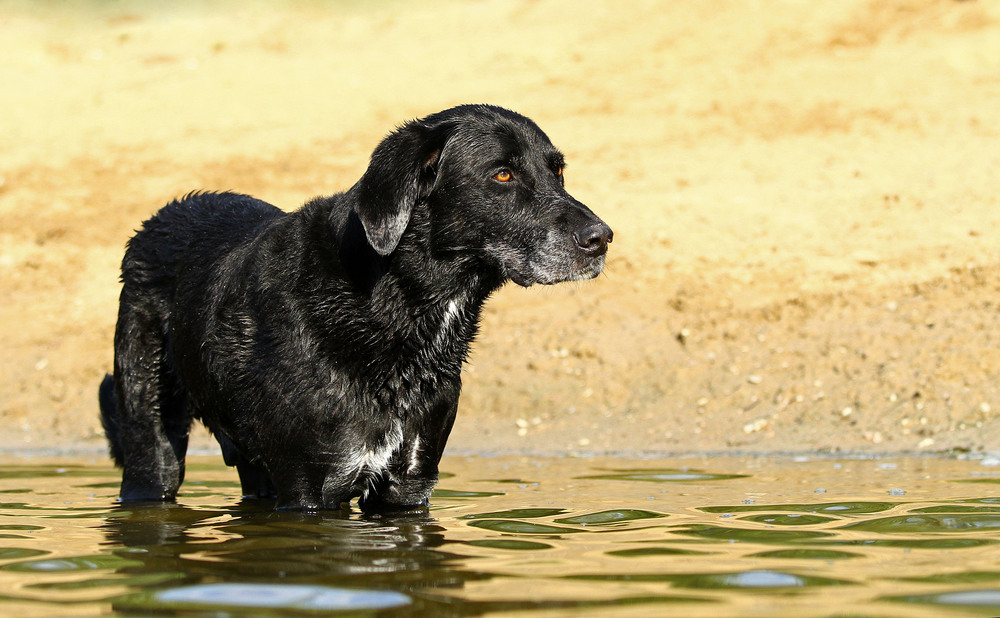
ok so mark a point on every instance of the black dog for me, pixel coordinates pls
(323, 347)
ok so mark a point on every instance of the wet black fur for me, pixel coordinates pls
(323, 347)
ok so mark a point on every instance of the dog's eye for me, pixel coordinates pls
(503, 176)
(559, 171)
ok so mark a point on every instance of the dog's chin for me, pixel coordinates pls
(531, 276)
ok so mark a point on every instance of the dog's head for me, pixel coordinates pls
(493, 187)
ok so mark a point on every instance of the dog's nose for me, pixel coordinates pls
(593, 238)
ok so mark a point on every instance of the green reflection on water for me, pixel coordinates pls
(933, 543)
(965, 577)
(958, 509)
(142, 581)
(987, 600)
(928, 523)
(755, 535)
(788, 520)
(610, 517)
(511, 526)
(648, 552)
(456, 493)
(13, 553)
(981, 501)
(827, 508)
(513, 544)
(516, 514)
(79, 563)
(806, 554)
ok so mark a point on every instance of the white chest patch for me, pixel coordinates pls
(451, 312)
(449, 318)
(373, 459)
(414, 456)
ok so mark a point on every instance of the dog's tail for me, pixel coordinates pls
(110, 417)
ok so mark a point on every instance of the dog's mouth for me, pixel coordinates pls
(520, 279)
(548, 276)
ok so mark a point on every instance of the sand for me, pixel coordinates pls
(805, 198)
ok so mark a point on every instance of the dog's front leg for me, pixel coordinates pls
(413, 471)
(399, 494)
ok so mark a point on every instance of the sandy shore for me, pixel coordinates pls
(805, 197)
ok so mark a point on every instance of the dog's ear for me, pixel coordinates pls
(401, 172)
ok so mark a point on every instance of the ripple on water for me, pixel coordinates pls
(511, 522)
(661, 475)
(514, 526)
(570, 542)
(516, 514)
(788, 519)
(16, 553)
(958, 509)
(987, 599)
(95, 562)
(755, 535)
(827, 508)
(806, 554)
(752, 579)
(908, 543)
(509, 544)
(653, 552)
(615, 516)
(922, 523)
(458, 493)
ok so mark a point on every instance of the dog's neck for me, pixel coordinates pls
(444, 292)
(414, 294)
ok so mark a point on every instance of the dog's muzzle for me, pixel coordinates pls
(560, 260)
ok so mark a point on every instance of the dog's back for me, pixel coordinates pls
(197, 229)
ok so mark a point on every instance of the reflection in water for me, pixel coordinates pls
(730, 537)
(322, 554)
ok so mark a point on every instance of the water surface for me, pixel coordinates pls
(568, 536)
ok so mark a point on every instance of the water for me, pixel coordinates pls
(515, 535)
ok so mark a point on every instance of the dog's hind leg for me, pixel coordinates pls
(153, 420)
(255, 481)
(110, 418)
